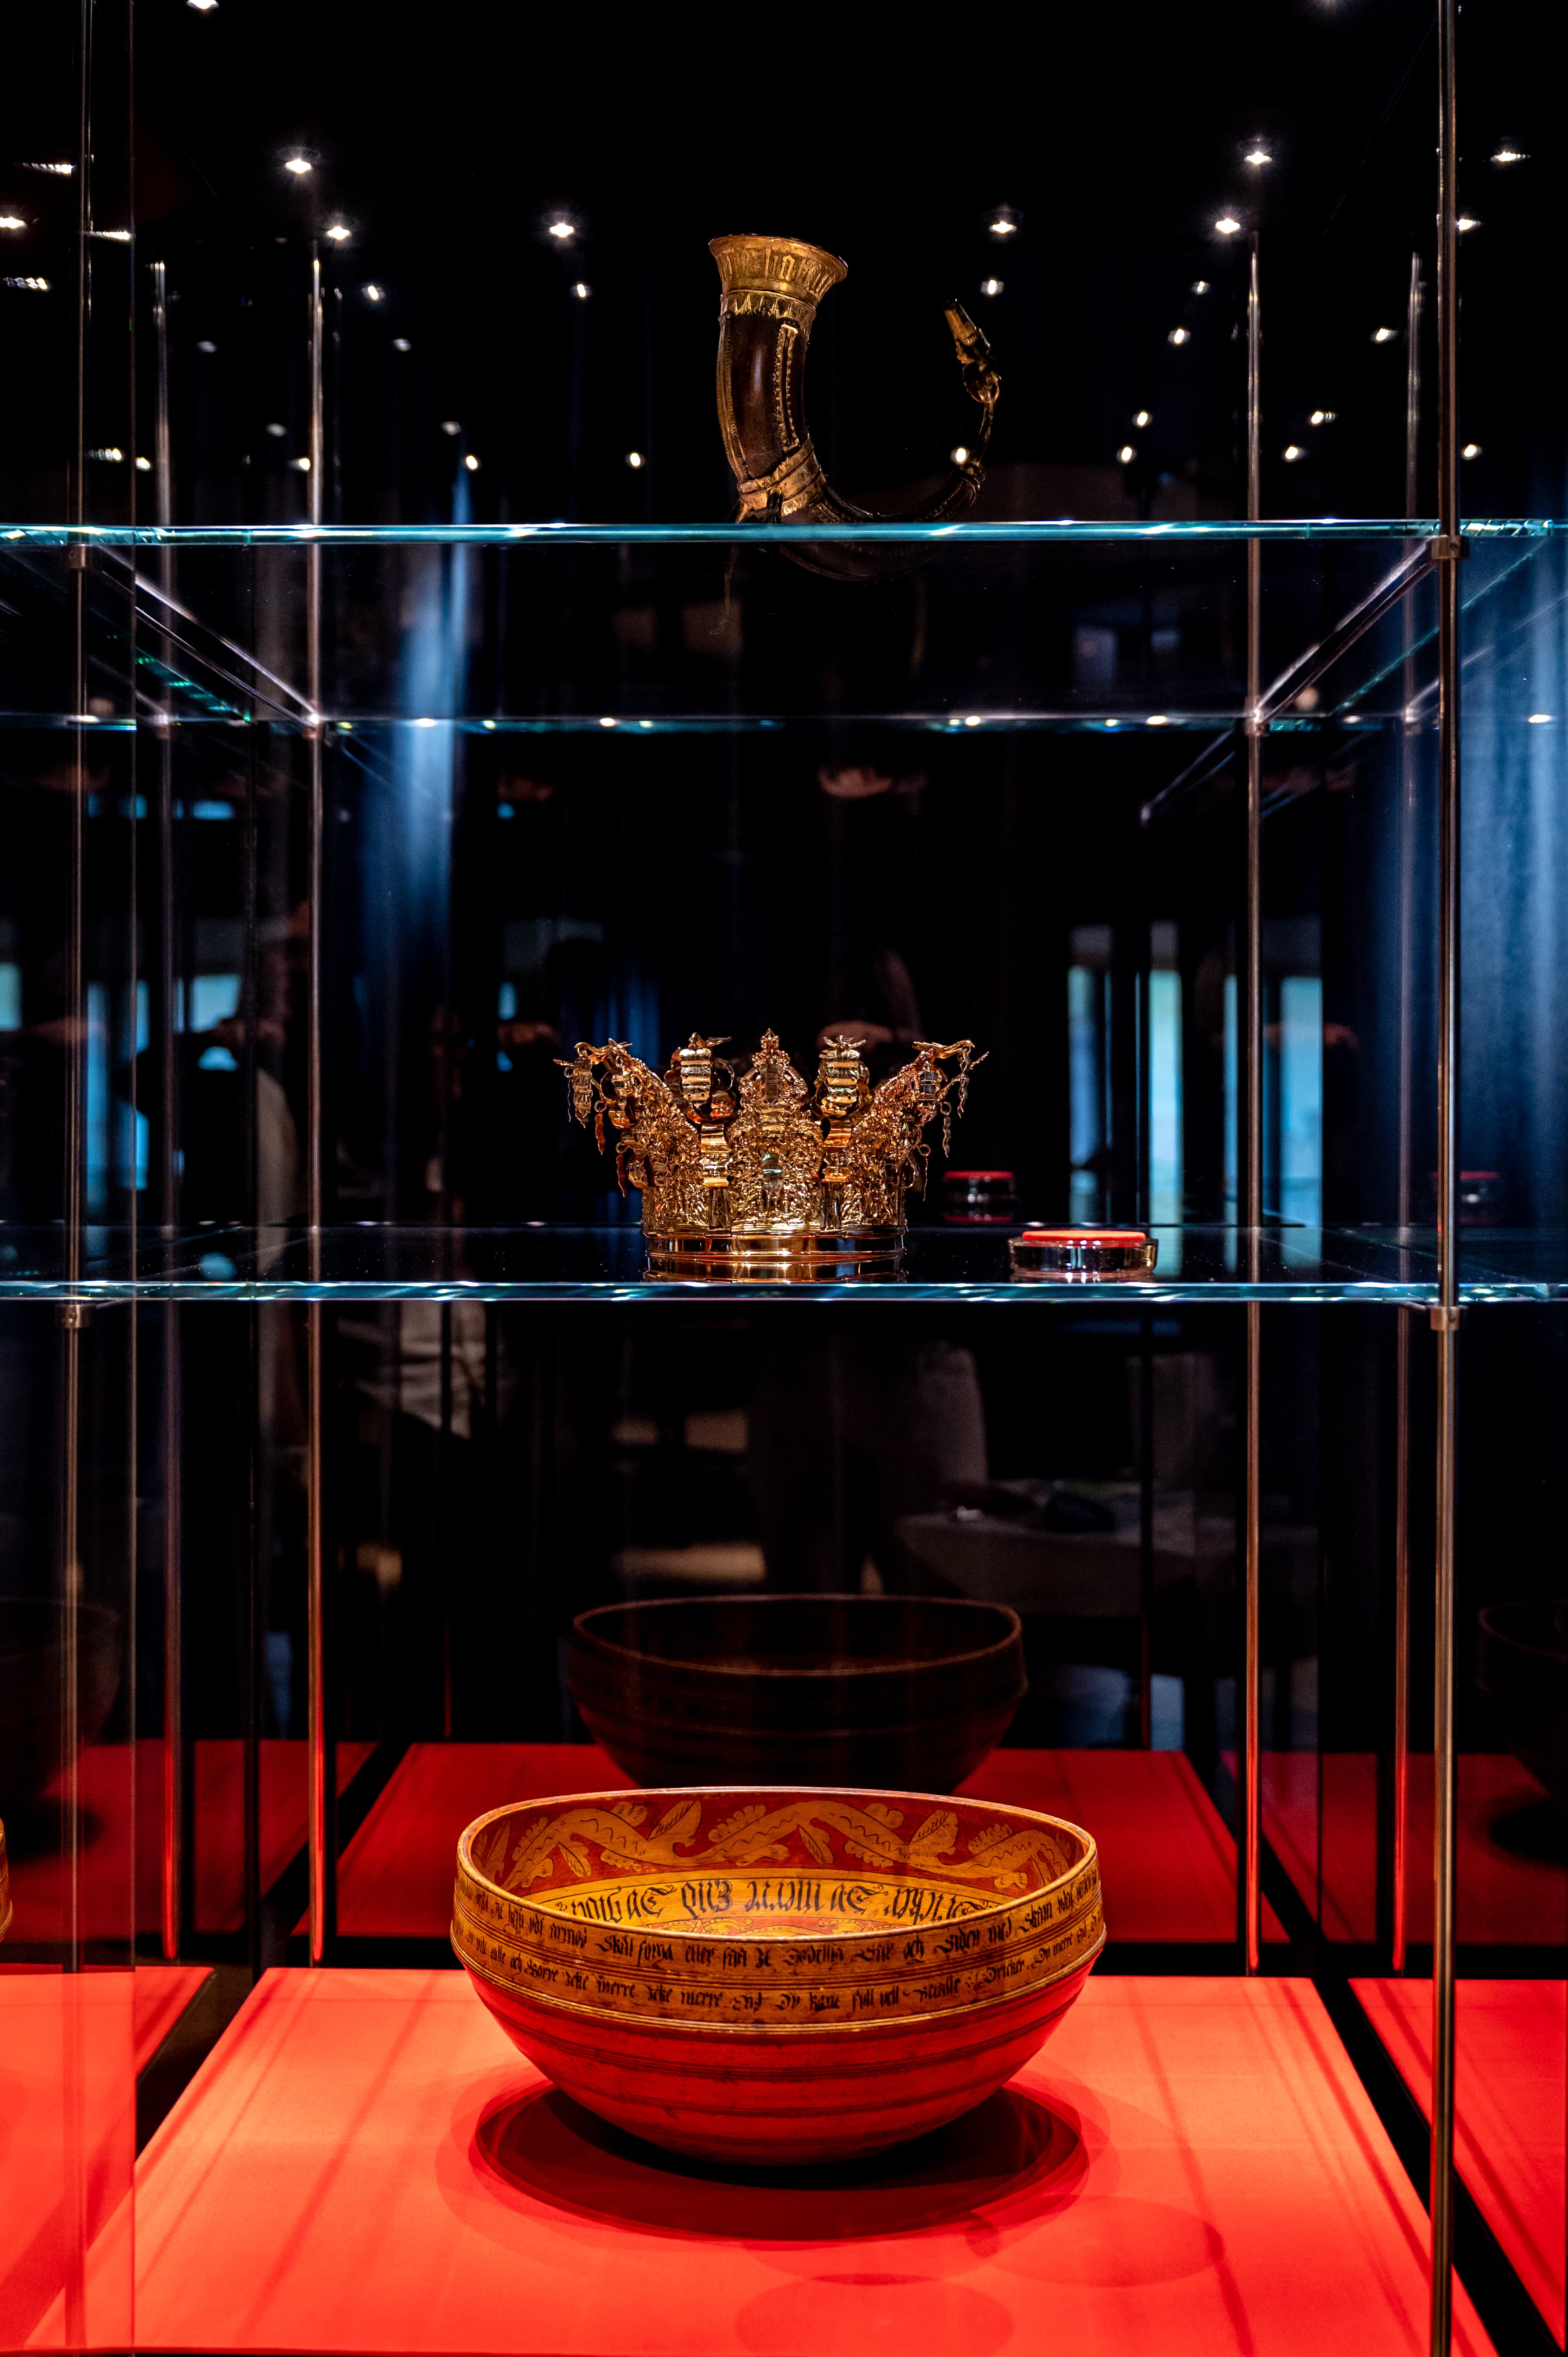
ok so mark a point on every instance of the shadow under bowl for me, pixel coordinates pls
(912, 1691)
(1521, 1668)
(763, 1977)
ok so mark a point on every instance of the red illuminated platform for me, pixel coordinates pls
(67, 2142)
(122, 1796)
(1512, 1875)
(364, 2164)
(1511, 2138)
(1167, 1864)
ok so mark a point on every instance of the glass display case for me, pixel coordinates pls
(1057, 1776)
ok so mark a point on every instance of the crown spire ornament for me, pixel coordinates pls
(769, 1173)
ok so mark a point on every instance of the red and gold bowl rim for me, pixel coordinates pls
(773, 1908)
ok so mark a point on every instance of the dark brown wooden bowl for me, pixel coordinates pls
(904, 1691)
(1521, 1667)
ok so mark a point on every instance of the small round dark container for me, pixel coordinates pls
(1521, 1667)
(904, 1692)
(32, 1655)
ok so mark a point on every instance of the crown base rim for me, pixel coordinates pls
(704, 1247)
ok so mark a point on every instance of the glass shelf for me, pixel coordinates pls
(541, 1262)
(1038, 530)
(695, 629)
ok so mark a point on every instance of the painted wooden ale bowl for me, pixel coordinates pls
(906, 1690)
(765, 1974)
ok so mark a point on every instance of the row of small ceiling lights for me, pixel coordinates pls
(1229, 224)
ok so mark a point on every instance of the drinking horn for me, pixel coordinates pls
(771, 287)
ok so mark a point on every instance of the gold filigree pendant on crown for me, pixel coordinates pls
(766, 1174)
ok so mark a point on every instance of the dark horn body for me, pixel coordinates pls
(771, 287)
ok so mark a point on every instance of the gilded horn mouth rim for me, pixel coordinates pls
(749, 262)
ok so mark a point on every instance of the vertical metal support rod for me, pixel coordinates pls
(314, 1536)
(72, 1313)
(1253, 1161)
(1409, 733)
(1445, 1316)
(168, 1190)
(1145, 1530)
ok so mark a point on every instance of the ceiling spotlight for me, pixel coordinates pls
(1464, 221)
(1158, 720)
(12, 221)
(401, 344)
(563, 228)
(301, 466)
(1384, 335)
(277, 432)
(450, 426)
(338, 232)
(990, 286)
(1321, 418)
(1228, 224)
(202, 5)
(1509, 155)
(634, 458)
(1259, 154)
(1002, 223)
(1141, 418)
(144, 466)
(1125, 456)
(33, 285)
(205, 347)
(1291, 452)
(1178, 335)
(1201, 285)
(299, 165)
(582, 290)
(111, 457)
(472, 463)
(1540, 719)
(373, 294)
(961, 455)
(1471, 450)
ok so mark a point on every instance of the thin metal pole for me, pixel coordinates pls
(1146, 1530)
(169, 1208)
(1409, 732)
(1445, 1316)
(1252, 1155)
(72, 1311)
(313, 1531)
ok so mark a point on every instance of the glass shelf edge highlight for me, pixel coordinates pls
(635, 724)
(108, 1292)
(1042, 531)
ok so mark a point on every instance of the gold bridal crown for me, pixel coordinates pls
(758, 1164)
